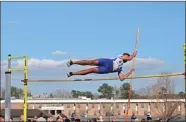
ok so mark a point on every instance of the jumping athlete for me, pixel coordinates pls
(104, 66)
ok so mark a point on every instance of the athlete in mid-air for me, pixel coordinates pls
(104, 66)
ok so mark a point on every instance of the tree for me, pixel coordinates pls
(51, 95)
(78, 93)
(106, 91)
(117, 95)
(96, 96)
(163, 90)
(15, 92)
(29, 94)
(62, 94)
(124, 89)
(74, 94)
(18, 92)
(181, 94)
(87, 94)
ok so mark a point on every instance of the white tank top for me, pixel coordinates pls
(117, 64)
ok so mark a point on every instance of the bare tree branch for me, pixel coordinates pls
(163, 91)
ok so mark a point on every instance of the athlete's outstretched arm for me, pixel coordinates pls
(132, 56)
(124, 76)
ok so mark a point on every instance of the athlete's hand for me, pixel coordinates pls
(135, 53)
(132, 70)
(124, 76)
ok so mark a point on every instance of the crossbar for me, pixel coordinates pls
(100, 79)
(16, 57)
(15, 69)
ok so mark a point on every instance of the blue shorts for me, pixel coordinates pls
(105, 66)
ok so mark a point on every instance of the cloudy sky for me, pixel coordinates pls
(52, 33)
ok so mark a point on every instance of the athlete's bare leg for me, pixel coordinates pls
(84, 62)
(84, 72)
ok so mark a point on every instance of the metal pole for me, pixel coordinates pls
(9, 62)
(7, 96)
(8, 91)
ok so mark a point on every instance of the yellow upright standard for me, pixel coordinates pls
(185, 61)
(25, 87)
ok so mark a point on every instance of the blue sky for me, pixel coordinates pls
(85, 30)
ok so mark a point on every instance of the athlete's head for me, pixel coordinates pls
(125, 57)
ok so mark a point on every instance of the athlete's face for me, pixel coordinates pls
(124, 57)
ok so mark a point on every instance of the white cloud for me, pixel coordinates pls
(145, 63)
(34, 63)
(4, 63)
(58, 52)
(43, 63)
(152, 61)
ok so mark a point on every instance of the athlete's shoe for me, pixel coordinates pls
(69, 74)
(69, 63)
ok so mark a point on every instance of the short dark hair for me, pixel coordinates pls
(126, 54)
(124, 61)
